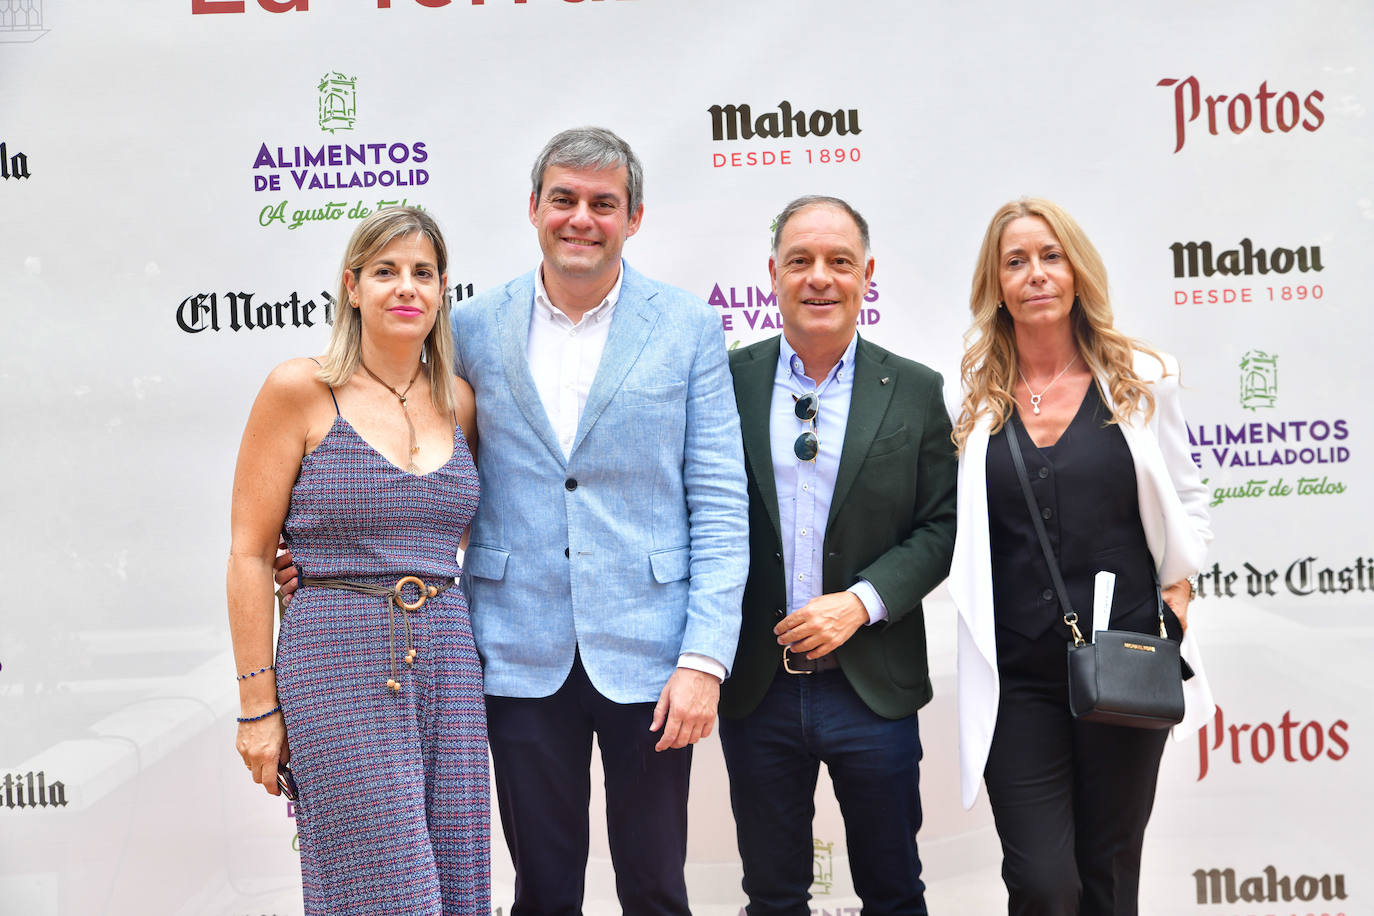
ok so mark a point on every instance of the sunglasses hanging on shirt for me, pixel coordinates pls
(805, 408)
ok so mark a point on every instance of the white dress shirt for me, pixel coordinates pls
(563, 356)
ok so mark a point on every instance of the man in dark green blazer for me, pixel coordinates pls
(851, 523)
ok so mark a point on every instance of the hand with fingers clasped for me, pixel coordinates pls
(822, 625)
(262, 745)
(686, 708)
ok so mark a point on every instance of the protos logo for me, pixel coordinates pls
(1259, 743)
(1242, 110)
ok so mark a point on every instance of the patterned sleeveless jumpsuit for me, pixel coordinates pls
(393, 811)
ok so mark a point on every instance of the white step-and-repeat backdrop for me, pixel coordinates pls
(178, 179)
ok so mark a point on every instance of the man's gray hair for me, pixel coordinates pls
(818, 200)
(591, 148)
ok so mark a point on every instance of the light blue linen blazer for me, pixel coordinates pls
(634, 548)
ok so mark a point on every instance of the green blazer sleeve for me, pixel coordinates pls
(905, 570)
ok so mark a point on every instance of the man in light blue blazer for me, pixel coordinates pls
(607, 560)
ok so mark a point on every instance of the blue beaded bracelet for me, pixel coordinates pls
(271, 712)
(244, 677)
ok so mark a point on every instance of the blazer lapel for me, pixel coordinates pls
(872, 394)
(754, 397)
(513, 321)
(634, 318)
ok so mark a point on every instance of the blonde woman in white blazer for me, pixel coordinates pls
(1099, 419)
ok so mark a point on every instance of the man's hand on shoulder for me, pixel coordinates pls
(823, 624)
(686, 709)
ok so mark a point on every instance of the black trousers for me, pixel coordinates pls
(541, 753)
(1070, 799)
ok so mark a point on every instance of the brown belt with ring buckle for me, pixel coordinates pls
(798, 663)
(394, 596)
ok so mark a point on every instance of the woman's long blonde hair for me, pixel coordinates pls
(344, 353)
(988, 368)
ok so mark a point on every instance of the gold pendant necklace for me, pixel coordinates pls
(401, 396)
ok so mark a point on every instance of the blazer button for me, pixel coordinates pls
(570, 483)
(1046, 512)
(1048, 594)
(1044, 472)
(780, 612)
(778, 557)
(566, 553)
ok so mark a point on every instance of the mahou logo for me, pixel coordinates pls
(1223, 885)
(738, 122)
(1270, 110)
(1194, 259)
(1261, 742)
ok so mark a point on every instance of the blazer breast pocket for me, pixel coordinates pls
(485, 562)
(654, 395)
(885, 445)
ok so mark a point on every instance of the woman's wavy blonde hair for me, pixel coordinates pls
(988, 368)
(344, 353)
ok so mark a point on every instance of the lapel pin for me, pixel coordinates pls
(883, 380)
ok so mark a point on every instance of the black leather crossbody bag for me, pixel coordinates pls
(1121, 677)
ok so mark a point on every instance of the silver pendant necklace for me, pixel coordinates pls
(1035, 398)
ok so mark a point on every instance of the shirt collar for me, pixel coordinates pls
(600, 313)
(790, 365)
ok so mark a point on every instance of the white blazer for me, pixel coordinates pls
(1173, 511)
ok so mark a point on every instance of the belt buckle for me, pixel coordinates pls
(426, 592)
(788, 667)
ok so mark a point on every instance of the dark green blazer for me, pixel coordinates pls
(891, 522)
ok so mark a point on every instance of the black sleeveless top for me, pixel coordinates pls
(1085, 485)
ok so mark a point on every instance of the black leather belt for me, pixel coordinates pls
(798, 663)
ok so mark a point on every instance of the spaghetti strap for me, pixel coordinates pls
(337, 412)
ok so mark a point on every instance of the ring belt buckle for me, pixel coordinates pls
(425, 592)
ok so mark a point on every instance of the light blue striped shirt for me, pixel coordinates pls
(805, 488)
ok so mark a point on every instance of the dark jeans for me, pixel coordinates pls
(541, 751)
(773, 756)
(1071, 799)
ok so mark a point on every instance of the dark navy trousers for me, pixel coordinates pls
(773, 756)
(541, 752)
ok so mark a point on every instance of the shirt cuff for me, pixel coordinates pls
(703, 663)
(872, 601)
